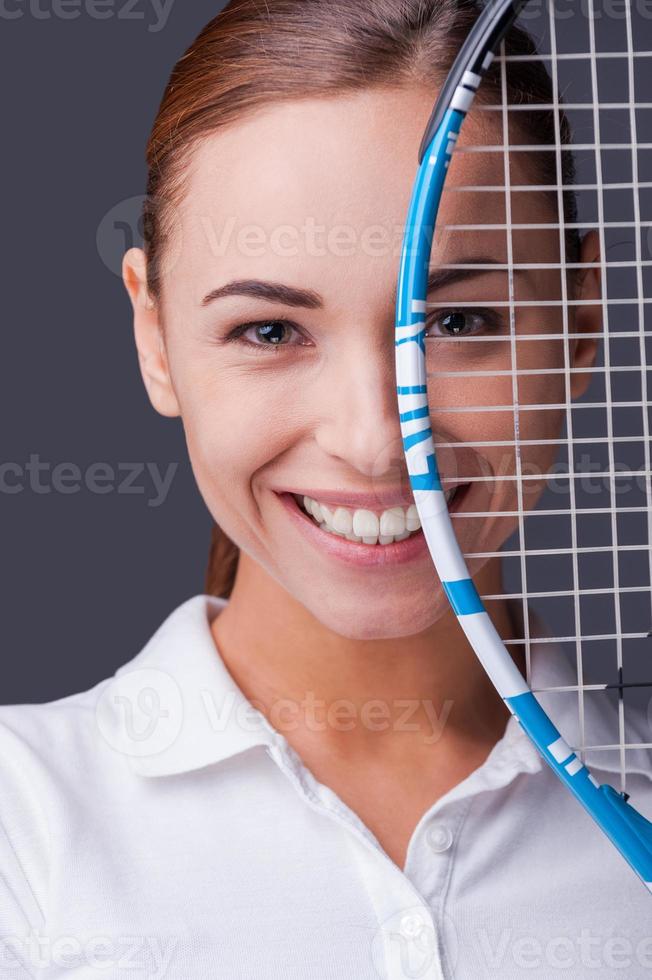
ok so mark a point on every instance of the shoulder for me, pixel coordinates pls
(46, 754)
(64, 741)
(48, 736)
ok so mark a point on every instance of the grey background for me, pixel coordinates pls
(86, 578)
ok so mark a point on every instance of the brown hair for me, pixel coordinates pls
(257, 52)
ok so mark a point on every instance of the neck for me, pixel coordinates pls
(356, 697)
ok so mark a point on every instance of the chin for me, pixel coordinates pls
(377, 617)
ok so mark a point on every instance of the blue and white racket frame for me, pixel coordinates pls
(628, 830)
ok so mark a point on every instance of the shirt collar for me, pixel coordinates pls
(175, 707)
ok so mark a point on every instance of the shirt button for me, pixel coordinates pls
(440, 837)
(411, 925)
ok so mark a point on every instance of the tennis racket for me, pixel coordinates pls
(522, 344)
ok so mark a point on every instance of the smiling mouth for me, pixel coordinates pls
(369, 527)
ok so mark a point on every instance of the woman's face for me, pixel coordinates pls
(293, 388)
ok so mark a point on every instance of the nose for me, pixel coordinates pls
(360, 421)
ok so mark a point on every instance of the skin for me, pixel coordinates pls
(320, 411)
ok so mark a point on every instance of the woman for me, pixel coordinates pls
(306, 772)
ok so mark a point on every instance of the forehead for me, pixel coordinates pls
(331, 179)
(323, 157)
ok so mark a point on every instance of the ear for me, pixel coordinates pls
(588, 319)
(148, 331)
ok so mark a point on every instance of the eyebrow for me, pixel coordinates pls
(276, 292)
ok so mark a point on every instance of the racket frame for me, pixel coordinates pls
(628, 830)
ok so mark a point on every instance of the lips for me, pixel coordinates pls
(372, 556)
(376, 500)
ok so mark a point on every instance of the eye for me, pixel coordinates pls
(265, 334)
(463, 323)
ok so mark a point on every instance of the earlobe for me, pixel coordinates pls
(148, 333)
(588, 318)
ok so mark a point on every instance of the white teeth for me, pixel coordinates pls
(412, 522)
(343, 522)
(394, 524)
(366, 524)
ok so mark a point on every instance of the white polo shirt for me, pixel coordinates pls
(157, 826)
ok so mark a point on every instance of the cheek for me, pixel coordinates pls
(541, 425)
(485, 413)
(237, 422)
(221, 462)
(231, 433)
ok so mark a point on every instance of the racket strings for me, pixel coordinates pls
(578, 563)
